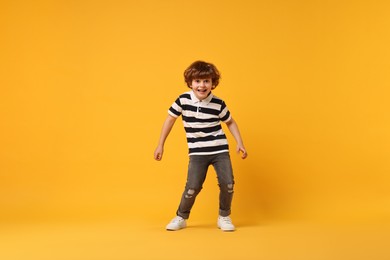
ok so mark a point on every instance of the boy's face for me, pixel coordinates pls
(202, 87)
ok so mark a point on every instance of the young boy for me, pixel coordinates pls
(202, 113)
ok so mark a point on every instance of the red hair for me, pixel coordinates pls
(201, 70)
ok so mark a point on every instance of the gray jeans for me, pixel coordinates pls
(197, 171)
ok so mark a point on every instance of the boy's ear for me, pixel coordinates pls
(213, 87)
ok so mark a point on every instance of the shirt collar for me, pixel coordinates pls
(196, 100)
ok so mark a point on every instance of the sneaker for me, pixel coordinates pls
(225, 223)
(176, 224)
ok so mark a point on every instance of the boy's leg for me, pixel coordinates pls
(224, 170)
(197, 170)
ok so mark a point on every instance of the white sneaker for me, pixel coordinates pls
(176, 223)
(225, 223)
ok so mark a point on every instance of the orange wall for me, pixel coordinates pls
(85, 86)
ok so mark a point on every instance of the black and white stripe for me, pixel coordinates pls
(202, 122)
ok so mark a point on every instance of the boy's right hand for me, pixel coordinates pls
(158, 153)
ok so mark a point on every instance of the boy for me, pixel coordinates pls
(202, 113)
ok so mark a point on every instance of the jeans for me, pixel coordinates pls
(197, 171)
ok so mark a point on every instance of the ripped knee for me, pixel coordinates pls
(190, 193)
(227, 187)
(230, 188)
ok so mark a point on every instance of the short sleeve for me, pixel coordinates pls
(224, 113)
(175, 109)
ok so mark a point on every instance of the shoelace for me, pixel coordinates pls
(177, 220)
(226, 220)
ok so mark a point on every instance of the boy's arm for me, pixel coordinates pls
(233, 128)
(166, 129)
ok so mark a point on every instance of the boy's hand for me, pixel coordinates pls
(158, 153)
(243, 151)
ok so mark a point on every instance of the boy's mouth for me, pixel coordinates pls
(202, 90)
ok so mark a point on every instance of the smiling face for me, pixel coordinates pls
(202, 87)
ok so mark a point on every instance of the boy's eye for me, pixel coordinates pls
(204, 80)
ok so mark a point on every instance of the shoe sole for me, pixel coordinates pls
(227, 230)
(171, 229)
(175, 229)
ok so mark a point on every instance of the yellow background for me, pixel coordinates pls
(85, 87)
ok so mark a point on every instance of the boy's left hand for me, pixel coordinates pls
(243, 151)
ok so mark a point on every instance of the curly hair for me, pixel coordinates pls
(201, 70)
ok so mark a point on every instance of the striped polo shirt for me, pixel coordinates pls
(202, 122)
